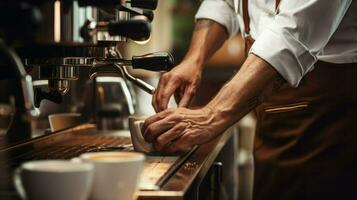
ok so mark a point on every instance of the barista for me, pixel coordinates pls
(300, 76)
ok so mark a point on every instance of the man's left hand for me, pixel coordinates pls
(179, 129)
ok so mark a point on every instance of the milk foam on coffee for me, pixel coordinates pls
(116, 174)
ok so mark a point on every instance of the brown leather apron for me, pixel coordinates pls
(306, 137)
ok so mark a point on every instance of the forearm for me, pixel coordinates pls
(254, 81)
(207, 38)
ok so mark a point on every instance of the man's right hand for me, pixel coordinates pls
(184, 79)
(182, 82)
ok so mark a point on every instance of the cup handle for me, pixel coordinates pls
(18, 183)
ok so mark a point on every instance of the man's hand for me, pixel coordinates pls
(184, 79)
(182, 82)
(180, 129)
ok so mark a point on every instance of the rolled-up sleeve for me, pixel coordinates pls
(221, 12)
(298, 33)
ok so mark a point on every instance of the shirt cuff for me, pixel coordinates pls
(287, 55)
(220, 12)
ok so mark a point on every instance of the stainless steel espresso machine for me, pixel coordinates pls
(49, 51)
(61, 42)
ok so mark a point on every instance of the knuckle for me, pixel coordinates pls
(166, 76)
(176, 79)
(180, 127)
(165, 113)
(160, 142)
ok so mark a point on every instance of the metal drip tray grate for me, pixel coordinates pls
(72, 147)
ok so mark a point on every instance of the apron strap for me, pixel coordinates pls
(248, 40)
(246, 18)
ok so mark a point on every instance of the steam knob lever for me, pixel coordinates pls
(144, 4)
(139, 30)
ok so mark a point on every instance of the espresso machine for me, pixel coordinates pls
(61, 42)
(48, 48)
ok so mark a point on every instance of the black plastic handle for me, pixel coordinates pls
(144, 4)
(103, 3)
(136, 29)
(159, 61)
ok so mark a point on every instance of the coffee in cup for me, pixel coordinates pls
(116, 174)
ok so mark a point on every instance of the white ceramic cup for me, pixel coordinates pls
(139, 143)
(116, 174)
(53, 179)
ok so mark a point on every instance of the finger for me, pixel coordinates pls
(159, 123)
(187, 97)
(157, 97)
(183, 143)
(165, 95)
(169, 136)
(179, 93)
(157, 128)
(154, 118)
(155, 101)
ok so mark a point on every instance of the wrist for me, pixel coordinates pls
(193, 60)
(221, 119)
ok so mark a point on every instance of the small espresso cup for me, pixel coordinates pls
(139, 143)
(116, 174)
(60, 121)
(53, 179)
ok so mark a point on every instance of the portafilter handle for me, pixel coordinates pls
(158, 61)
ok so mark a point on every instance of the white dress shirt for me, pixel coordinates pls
(295, 37)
